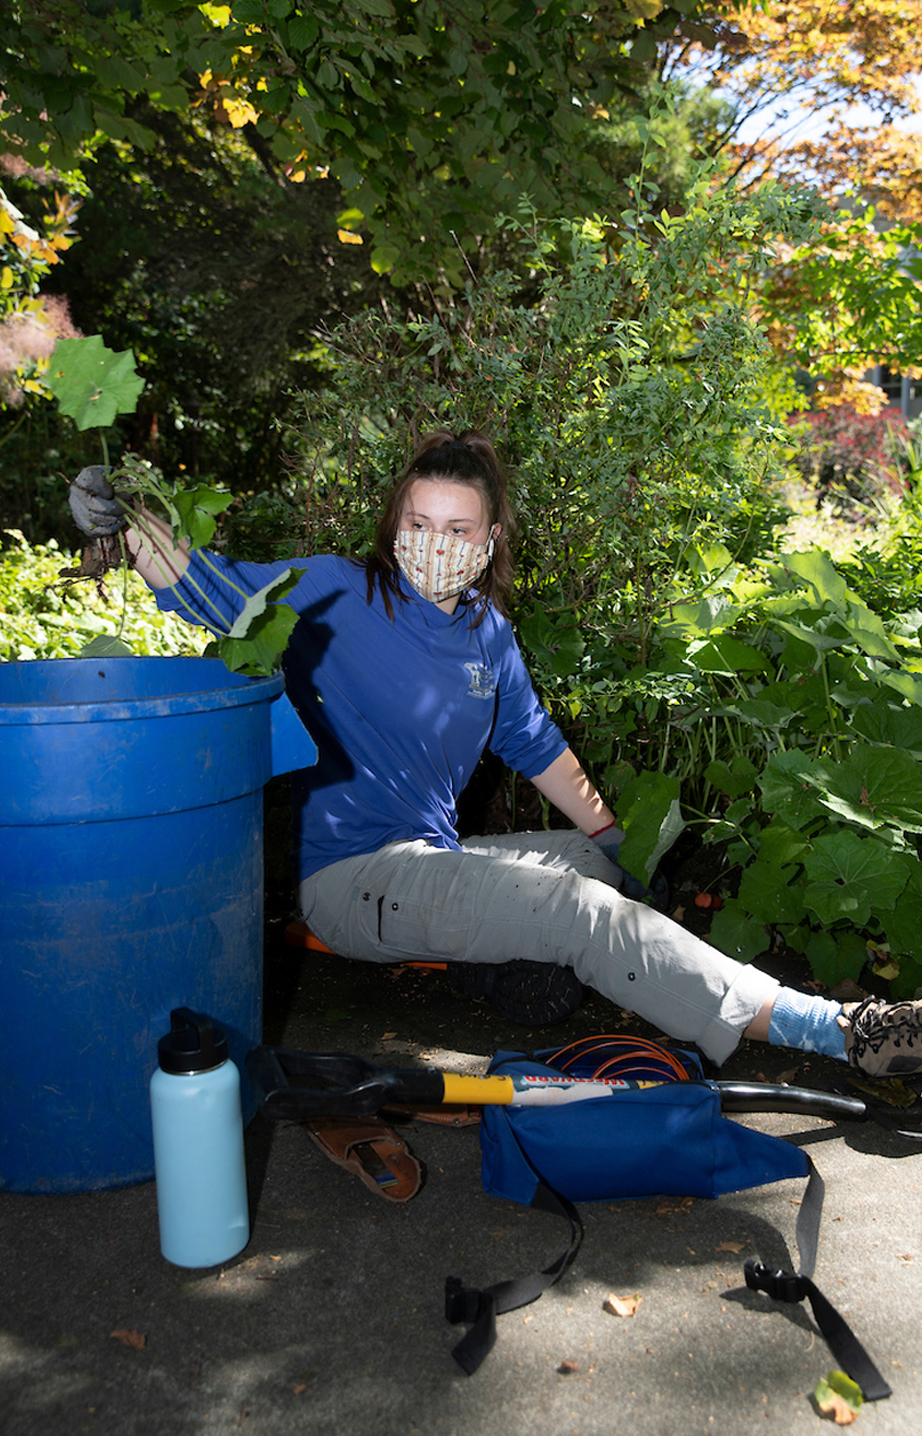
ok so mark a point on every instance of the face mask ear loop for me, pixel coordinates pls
(491, 547)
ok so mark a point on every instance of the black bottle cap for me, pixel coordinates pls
(193, 1044)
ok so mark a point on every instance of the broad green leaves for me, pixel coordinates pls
(824, 824)
(649, 813)
(848, 877)
(196, 513)
(91, 383)
(260, 633)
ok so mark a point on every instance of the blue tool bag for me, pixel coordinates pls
(660, 1131)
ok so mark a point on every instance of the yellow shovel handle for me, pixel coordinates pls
(477, 1091)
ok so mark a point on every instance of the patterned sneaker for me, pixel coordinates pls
(537, 994)
(883, 1039)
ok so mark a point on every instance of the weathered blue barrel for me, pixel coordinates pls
(131, 883)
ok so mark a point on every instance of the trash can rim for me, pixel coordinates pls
(232, 690)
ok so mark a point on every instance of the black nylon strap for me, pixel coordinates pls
(786, 1286)
(481, 1308)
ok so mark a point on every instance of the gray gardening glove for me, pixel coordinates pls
(609, 842)
(97, 509)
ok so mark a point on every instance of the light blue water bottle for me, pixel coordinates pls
(198, 1145)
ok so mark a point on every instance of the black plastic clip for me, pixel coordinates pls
(781, 1285)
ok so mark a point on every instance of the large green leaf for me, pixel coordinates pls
(903, 925)
(726, 654)
(873, 787)
(696, 620)
(779, 843)
(737, 934)
(649, 813)
(908, 685)
(759, 711)
(553, 640)
(735, 778)
(92, 383)
(196, 510)
(814, 569)
(765, 891)
(868, 632)
(260, 651)
(822, 635)
(850, 877)
(787, 791)
(263, 598)
(893, 727)
(260, 633)
(833, 957)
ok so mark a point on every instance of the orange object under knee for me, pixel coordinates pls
(298, 934)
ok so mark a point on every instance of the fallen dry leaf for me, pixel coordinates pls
(135, 1339)
(622, 1305)
(838, 1396)
(735, 1247)
(838, 1408)
(568, 1368)
(668, 1205)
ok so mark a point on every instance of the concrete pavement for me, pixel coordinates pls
(331, 1320)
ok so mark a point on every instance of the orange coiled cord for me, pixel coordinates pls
(619, 1056)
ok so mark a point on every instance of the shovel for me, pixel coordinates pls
(297, 1085)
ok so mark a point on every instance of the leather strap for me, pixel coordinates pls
(449, 1114)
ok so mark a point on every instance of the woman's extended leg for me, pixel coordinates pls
(527, 895)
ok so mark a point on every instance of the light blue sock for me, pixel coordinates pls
(808, 1023)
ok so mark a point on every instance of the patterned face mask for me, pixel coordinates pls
(440, 566)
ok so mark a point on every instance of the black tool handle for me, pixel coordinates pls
(778, 1097)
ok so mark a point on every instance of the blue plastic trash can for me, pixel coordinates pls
(131, 882)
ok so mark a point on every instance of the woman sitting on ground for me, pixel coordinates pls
(405, 670)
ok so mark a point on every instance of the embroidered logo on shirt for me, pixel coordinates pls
(483, 680)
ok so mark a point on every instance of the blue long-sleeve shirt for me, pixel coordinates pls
(400, 709)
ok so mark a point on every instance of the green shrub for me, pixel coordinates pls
(792, 713)
(43, 616)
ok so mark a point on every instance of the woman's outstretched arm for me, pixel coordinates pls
(150, 540)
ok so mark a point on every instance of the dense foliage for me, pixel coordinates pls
(287, 214)
(45, 616)
(427, 117)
